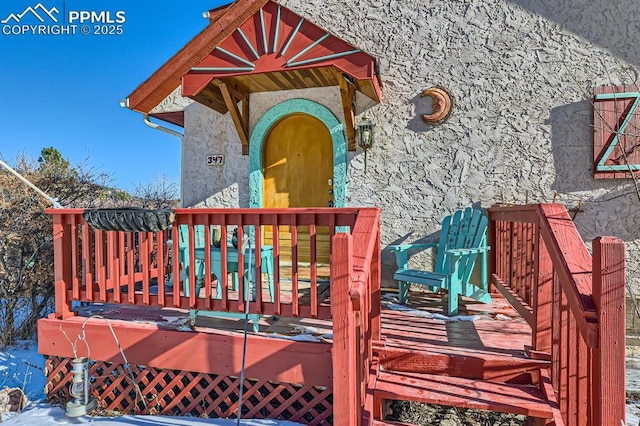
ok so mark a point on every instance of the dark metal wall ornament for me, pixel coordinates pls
(442, 105)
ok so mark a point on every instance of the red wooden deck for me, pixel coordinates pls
(554, 336)
(498, 328)
(165, 338)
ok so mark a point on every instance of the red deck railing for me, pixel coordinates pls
(355, 302)
(135, 268)
(574, 303)
(131, 268)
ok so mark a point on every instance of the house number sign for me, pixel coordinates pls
(215, 160)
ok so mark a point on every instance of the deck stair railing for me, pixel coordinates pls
(574, 302)
(355, 303)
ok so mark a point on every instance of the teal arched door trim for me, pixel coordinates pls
(275, 114)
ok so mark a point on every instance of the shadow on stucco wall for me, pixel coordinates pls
(615, 213)
(572, 148)
(421, 105)
(611, 25)
(607, 207)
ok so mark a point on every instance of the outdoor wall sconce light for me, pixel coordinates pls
(365, 137)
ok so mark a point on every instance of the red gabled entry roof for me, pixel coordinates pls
(169, 76)
(256, 46)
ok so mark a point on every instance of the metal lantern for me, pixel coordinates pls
(82, 402)
(365, 137)
(364, 133)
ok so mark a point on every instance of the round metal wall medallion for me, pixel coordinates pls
(442, 105)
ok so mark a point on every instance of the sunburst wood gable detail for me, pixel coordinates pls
(276, 49)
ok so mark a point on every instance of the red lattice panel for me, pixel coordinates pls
(180, 393)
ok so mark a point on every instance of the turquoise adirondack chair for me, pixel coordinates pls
(198, 264)
(463, 237)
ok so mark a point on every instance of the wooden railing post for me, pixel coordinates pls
(346, 401)
(609, 357)
(62, 265)
(493, 253)
(375, 295)
(543, 294)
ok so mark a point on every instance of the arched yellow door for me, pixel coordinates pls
(298, 171)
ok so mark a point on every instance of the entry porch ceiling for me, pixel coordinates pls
(273, 50)
(209, 93)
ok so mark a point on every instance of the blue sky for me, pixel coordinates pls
(64, 90)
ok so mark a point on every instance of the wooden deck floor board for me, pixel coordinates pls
(507, 335)
(497, 329)
(447, 348)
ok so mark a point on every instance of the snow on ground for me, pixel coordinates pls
(633, 410)
(46, 415)
(633, 388)
(22, 367)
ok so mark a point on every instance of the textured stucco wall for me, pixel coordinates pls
(327, 96)
(174, 102)
(206, 132)
(521, 73)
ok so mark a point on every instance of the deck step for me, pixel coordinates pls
(468, 365)
(390, 423)
(465, 393)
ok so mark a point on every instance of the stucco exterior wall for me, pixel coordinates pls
(327, 96)
(174, 102)
(207, 132)
(521, 73)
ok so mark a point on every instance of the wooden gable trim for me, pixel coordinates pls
(240, 120)
(168, 77)
(215, 13)
(279, 50)
(273, 47)
(348, 96)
